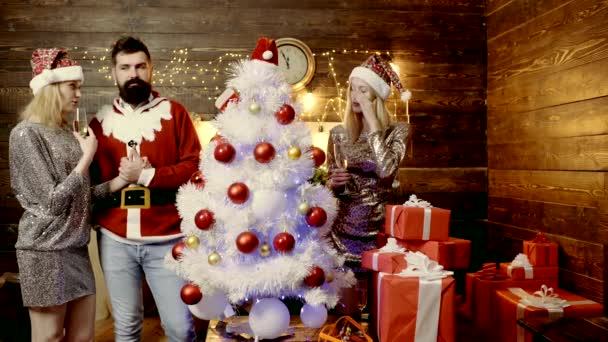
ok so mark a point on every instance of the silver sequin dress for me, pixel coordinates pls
(373, 161)
(52, 254)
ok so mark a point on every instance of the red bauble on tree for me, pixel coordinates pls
(204, 219)
(238, 193)
(217, 139)
(315, 278)
(247, 242)
(317, 155)
(177, 250)
(285, 114)
(284, 242)
(316, 217)
(224, 152)
(197, 179)
(264, 152)
(191, 294)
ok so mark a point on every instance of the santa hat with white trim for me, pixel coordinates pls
(52, 65)
(379, 75)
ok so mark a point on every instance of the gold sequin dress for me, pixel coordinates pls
(52, 254)
(373, 161)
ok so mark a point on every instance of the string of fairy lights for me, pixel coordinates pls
(181, 71)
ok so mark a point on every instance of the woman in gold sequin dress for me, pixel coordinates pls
(363, 158)
(49, 175)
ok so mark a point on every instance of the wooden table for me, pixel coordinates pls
(298, 332)
(567, 329)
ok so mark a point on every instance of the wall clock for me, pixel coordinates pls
(296, 61)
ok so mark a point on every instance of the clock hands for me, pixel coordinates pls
(286, 59)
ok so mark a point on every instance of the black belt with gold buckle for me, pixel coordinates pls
(137, 197)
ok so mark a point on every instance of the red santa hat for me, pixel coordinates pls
(379, 75)
(266, 50)
(52, 65)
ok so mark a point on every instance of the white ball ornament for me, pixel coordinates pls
(267, 55)
(313, 316)
(269, 318)
(212, 306)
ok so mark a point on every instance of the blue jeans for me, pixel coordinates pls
(124, 267)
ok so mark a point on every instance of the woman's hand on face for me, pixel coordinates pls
(369, 113)
(338, 177)
(88, 144)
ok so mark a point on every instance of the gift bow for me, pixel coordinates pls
(521, 260)
(392, 247)
(540, 238)
(418, 203)
(419, 265)
(545, 298)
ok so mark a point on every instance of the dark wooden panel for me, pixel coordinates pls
(573, 221)
(8, 237)
(3, 154)
(565, 187)
(576, 84)
(576, 119)
(495, 5)
(461, 6)
(270, 21)
(559, 35)
(584, 286)
(589, 153)
(423, 180)
(446, 154)
(516, 13)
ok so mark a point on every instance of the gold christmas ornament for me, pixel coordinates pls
(303, 208)
(214, 258)
(329, 277)
(265, 250)
(294, 153)
(254, 107)
(192, 242)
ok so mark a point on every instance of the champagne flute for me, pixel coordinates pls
(340, 157)
(361, 290)
(80, 123)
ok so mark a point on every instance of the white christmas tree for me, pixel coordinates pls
(254, 224)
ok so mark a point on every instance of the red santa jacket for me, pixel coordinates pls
(165, 134)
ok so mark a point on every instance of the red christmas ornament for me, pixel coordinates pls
(315, 278)
(191, 294)
(264, 152)
(285, 114)
(217, 139)
(238, 193)
(247, 242)
(316, 217)
(178, 250)
(204, 219)
(197, 179)
(224, 152)
(318, 156)
(284, 242)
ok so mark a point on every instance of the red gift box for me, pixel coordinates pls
(480, 289)
(512, 306)
(389, 262)
(414, 223)
(534, 272)
(453, 254)
(410, 308)
(541, 251)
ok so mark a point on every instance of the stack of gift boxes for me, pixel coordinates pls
(496, 297)
(406, 307)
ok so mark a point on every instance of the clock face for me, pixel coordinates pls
(296, 61)
(293, 62)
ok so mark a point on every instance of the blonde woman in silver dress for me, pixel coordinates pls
(363, 158)
(49, 174)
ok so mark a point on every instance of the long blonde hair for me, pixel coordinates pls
(353, 122)
(45, 107)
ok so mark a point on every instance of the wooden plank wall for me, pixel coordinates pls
(439, 46)
(547, 132)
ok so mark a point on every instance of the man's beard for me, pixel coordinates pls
(136, 94)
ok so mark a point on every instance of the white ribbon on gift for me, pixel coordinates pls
(544, 298)
(414, 202)
(390, 247)
(521, 260)
(429, 273)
